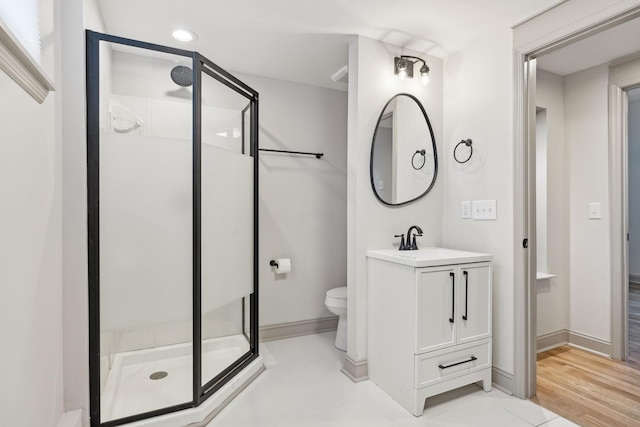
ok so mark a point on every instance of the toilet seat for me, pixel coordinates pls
(336, 297)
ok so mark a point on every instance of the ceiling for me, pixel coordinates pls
(305, 41)
(604, 47)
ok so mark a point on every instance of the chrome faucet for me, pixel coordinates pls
(411, 243)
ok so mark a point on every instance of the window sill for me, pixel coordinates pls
(19, 65)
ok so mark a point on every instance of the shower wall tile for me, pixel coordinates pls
(223, 321)
(105, 367)
(105, 338)
(131, 339)
(173, 333)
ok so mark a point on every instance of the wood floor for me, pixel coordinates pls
(588, 389)
(592, 390)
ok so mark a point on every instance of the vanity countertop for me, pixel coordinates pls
(428, 257)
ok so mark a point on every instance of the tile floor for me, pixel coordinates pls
(303, 387)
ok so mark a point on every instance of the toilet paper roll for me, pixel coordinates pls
(284, 265)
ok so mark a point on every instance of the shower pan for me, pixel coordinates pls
(172, 191)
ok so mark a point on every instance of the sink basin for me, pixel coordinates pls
(428, 257)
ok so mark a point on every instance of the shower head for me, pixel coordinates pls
(182, 76)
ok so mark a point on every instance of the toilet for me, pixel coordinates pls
(336, 302)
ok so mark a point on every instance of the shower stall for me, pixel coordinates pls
(172, 188)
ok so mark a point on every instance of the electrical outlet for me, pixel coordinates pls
(466, 209)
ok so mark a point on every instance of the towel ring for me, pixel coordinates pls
(424, 159)
(466, 142)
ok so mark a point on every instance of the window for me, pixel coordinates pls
(20, 46)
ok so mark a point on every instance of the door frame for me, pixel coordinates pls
(524, 385)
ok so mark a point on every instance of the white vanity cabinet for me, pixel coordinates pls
(429, 322)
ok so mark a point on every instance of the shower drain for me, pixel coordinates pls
(158, 375)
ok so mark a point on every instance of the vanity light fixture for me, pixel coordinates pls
(184, 35)
(403, 67)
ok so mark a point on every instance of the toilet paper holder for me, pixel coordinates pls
(281, 265)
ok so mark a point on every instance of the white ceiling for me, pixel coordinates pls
(307, 41)
(601, 48)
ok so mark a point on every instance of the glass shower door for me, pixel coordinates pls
(227, 227)
(145, 232)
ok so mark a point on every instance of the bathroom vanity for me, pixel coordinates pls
(429, 322)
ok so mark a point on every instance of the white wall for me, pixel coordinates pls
(634, 189)
(75, 16)
(541, 190)
(302, 207)
(578, 299)
(478, 105)
(586, 132)
(370, 224)
(31, 390)
(553, 294)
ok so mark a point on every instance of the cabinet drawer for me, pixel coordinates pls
(440, 365)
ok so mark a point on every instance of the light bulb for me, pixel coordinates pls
(401, 68)
(184, 35)
(424, 72)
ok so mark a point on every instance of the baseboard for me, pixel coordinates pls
(563, 337)
(356, 371)
(552, 340)
(227, 400)
(590, 343)
(71, 419)
(502, 380)
(295, 329)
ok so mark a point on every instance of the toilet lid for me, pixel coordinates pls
(337, 292)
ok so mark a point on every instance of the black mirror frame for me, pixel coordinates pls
(433, 142)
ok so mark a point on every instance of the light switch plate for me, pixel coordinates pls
(466, 209)
(484, 210)
(491, 209)
(595, 210)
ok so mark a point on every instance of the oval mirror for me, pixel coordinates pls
(404, 159)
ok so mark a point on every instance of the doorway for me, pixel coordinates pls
(595, 278)
(633, 191)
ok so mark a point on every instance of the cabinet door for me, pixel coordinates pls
(473, 312)
(435, 294)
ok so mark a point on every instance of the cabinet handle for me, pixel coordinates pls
(453, 296)
(471, 359)
(466, 295)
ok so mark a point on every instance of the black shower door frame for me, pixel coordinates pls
(200, 64)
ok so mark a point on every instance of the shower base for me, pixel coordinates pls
(129, 389)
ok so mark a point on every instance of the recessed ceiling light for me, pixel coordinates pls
(184, 35)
